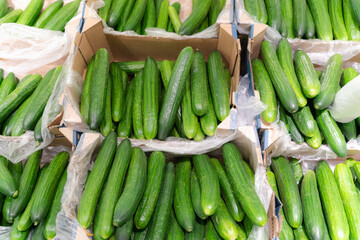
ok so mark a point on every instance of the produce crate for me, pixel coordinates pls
(246, 141)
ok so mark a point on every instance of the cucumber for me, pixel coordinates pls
(287, 18)
(15, 234)
(136, 15)
(348, 129)
(283, 117)
(155, 176)
(239, 180)
(133, 189)
(337, 20)
(352, 27)
(224, 223)
(198, 232)
(350, 198)
(208, 122)
(322, 19)
(125, 125)
(45, 195)
(332, 133)
(149, 20)
(263, 13)
(163, 16)
(248, 224)
(11, 17)
(37, 131)
(140, 234)
(50, 222)
(150, 98)
(96, 180)
(209, 184)
(314, 221)
(214, 12)
(242, 232)
(137, 107)
(124, 231)
(348, 75)
(330, 80)
(195, 19)
(118, 93)
(16, 97)
(98, 86)
(305, 121)
(107, 125)
(210, 231)
(253, 8)
(8, 186)
(266, 90)
(250, 172)
(300, 233)
(58, 21)
(170, 27)
(38, 232)
(104, 11)
(219, 93)
(48, 13)
(31, 12)
(9, 10)
(278, 78)
(125, 15)
(189, 119)
(310, 24)
(174, 18)
(199, 85)
(3, 7)
(7, 86)
(15, 170)
(286, 61)
(296, 169)
(355, 6)
(227, 192)
(227, 79)
(85, 94)
(133, 67)
(174, 92)
(316, 140)
(160, 220)
(306, 73)
(196, 195)
(175, 232)
(289, 191)
(116, 11)
(274, 13)
(350, 163)
(299, 18)
(183, 208)
(331, 202)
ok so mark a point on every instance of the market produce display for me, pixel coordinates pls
(127, 194)
(54, 17)
(326, 20)
(320, 204)
(304, 95)
(22, 103)
(30, 196)
(138, 15)
(189, 94)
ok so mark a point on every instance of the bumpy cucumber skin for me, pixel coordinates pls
(337, 20)
(321, 19)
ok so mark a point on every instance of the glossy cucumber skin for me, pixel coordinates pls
(224, 223)
(136, 15)
(11, 17)
(210, 231)
(163, 17)
(253, 8)
(352, 27)
(47, 13)
(15, 170)
(124, 127)
(115, 12)
(155, 175)
(149, 17)
(239, 180)
(160, 220)
(264, 86)
(7, 86)
(195, 19)
(175, 232)
(322, 19)
(196, 195)
(310, 24)
(137, 117)
(331, 132)
(133, 190)
(199, 85)
(348, 75)
(107, 125)
(37, 131)
(299, 18)
(85, 94)
(3, 7)
(209, 184)
(124, 231)
(16, 234)
(198, 232)
(331, 202)
(305, 121)
(175, 21)
(189, 119)
(300, 233)
(8, 186)
(30, 13)
(95, 181)
(58, 21)
(289, 191)
(112, 189)
(355, 5)
(278, 78)
(208, 122)
(337, 20)
(118, 93)
(287, 18)
(350, 198)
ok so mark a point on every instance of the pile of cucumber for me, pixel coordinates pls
(189, 94)
(323, 19)
(138, 15)
(22, 103)
(30, 197)
(320, 204)
(54, 17)
(127, 194)
(304, 95)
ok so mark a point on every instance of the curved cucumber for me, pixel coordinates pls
(305, 121)
(196, 195)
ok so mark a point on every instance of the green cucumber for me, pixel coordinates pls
(274, 13)
(195, 19)
(170, 27)
(299, 7)
(199, 135)
(149, 20)
(160, 220)
(31, 12)
(150, 98)
(210, 231)
(316, 140)
(348, 129)
(297, 170)
(116, 11)
(348, 75)
(355, 6)
(85, 94)
(287, 17)
(3, 7)
(37, 131)
(208, 122)
(163, 17)
(140, 234)
(278, 78)
(96, 181)
(16, 234)
(332, 133)
(7, 86)
(58, 21)
(38, 232)
(253, 8)
(104, 11)
(117, 94)
(198, 232)
(352, 27)
(242, 232)
(136, 15)
(11, 17)
(8, 185)
(306, 73)
(209, 184)
(310, 24)
(224, 223)
(174, 18)
(98, 86)
(196, 195)
(125, 125)
(125, 15)
(314, 221)
(123, 232)
(137, 108)
(107, 125)
(289, 191)
(155, 174)
(250, 172)
(175, 232)
(227, 192)
(350, 163)
(199, 84)
(266, 90)
(286, 61)
(263, 12)
(300, 233)
(305, 121)
(283, 117)
(183, 208)
(239, 180)
(133, 189)
(15, 170)
(48, 13)
(331, 202)
(337, 20)
(189, 119)
(50, 222)
(227, 79)
(174, 92)
(321, 19)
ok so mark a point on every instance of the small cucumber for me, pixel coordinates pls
(305, 121)
(137, 108)
(85, 94)
(104, 11)
(196, 195)
(224, 223)
(107, 125)
(287, 13)
(125, 15)
(195, 19)
(125, 125)
(16, 234)
(174, 18)
(37, 131)
(31, 12)
(48, 13)
(321, 18)
(118, 93)
(316, 140)
(7, 86)
(199, 85)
